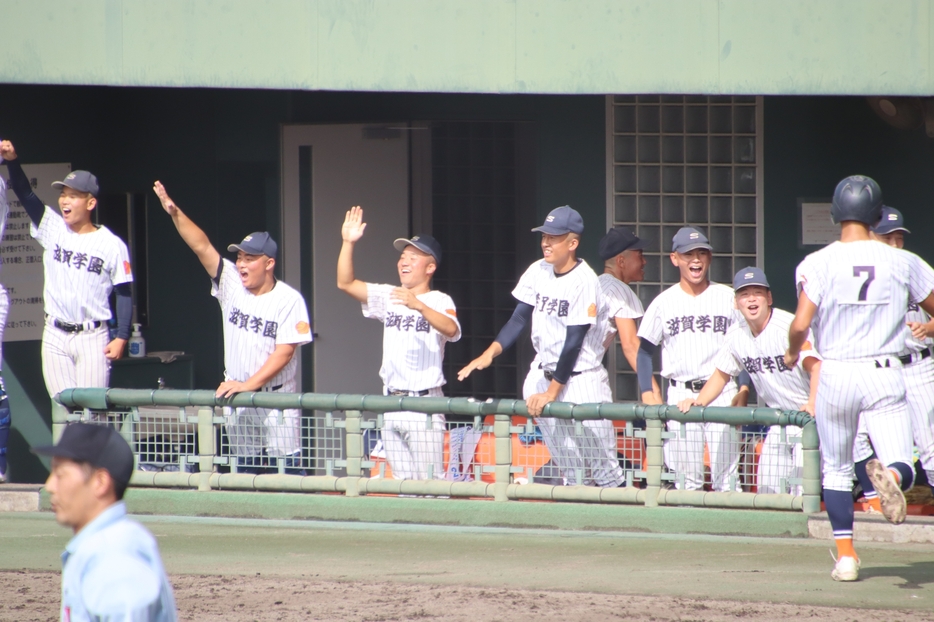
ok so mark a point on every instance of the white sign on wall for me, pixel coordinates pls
(22, 256)
(817, 228)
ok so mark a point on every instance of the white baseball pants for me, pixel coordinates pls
(684, 453)
(872, 392)
(74, 360)
(919, 393)
(592, 453)
(780, 461)
(414, 442)
(250, 430)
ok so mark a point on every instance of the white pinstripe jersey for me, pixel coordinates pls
(917, 314)
(618, 301)
(255, 325)
(763, 357)
(690, 329)
(861, 290)
(81, 269)
(571, 299)
(412, 349)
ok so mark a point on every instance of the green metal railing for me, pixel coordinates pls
(355, 483)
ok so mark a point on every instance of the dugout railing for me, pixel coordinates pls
(337, 441)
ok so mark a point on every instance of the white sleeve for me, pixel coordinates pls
(50, 227)
(525, 288)
(294, 327)
(621, 300)
(582, 304)
(377, 301)
(726, 360)
(444, 304)
(921, 281)
(122, 270)
(651, 328)
(229, 281)
(810, 279)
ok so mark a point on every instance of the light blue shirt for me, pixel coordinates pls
(112, 572)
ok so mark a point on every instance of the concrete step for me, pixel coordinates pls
(874, 528)
(19, 497)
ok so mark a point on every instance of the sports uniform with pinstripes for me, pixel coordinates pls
(763, 357)
(413, 351)
(573, 298)
(5, 418)
(691, 331)
(861, 290)
(80, 272)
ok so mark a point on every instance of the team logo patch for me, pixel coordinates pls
(694, 236)
(451, 312)
(893, 217)
(126, 268)
(303, 328)
(592, 310)
(550, 219)
(748, 275)
(70, 176)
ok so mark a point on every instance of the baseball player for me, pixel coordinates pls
(917, 367)
(83, 263)
(417, 323)
(5, 417)
(690, 321)
(856, 293)
(111, 568)
(757, 345)
(623, 263)
(561, 296)
(265, 322)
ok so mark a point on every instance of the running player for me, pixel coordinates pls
(690, 321)
(265, 322)
(917, 367)
(417, 323)
(560, 294)
(83, 263)
(757, 345)
(5, 418)
(855, 293)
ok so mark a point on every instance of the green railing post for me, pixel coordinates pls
(59, 420)
(503, 450)
(656, 457)
(354, 451)
(206, 449)
(811, 472)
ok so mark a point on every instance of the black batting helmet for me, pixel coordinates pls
(857, 198)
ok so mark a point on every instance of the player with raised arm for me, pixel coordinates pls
(561, 297)
(83, 263)
(855, 294)
(417, 323)
(265, 322)
(623, 263)
(756, 344)
(690, 320)
(917, 367)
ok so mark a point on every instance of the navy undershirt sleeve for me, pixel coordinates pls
(217, 277)
(573, 340)
(644, 364)
(21, 186)
(744, 380)
(124, 294)
(513, 328)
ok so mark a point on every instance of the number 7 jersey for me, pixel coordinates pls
(862, 291)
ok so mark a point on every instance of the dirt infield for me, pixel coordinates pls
(33, 596)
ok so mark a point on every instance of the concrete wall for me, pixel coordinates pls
(479, 46)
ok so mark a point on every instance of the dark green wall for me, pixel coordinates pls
(811, 143)
(217, 151)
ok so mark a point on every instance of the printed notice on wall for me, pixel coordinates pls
(22, 256)
(817, 229)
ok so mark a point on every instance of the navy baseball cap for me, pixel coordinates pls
(561, 220)
(82, 181)
(687, 239)
(257, 243)
(618, 240)
(750, 276)
(424, 243)
(891, 221)
(98, 445)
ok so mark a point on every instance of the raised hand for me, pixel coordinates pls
(167, 203)
(352, 229)
(7, 152)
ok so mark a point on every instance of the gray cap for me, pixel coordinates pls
(750, 276)
(687, 239)
(561, 220)
(82, 181)
(257, 243)
(891, 221)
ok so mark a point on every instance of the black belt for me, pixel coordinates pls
(275, 388)
(401, 393)
(908, 358)
(693, 385)
(550, 375)
(75, 328)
